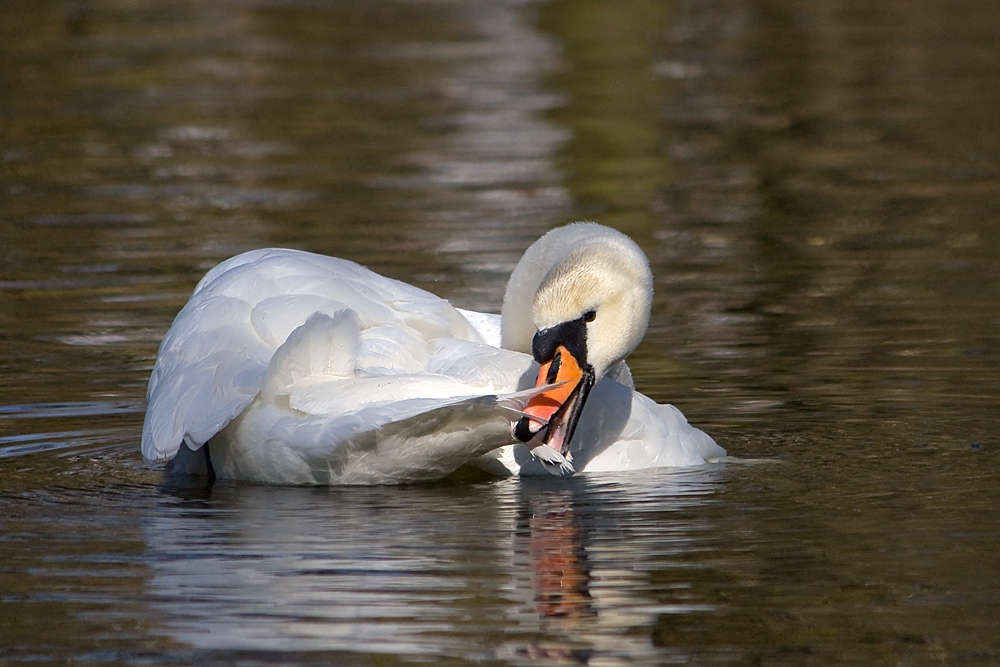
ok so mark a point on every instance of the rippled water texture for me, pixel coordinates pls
(817, 186)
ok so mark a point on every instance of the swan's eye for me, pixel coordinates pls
(590, 316)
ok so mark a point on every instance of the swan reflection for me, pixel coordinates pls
(518, 569)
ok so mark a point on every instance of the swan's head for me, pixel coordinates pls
(579, 301)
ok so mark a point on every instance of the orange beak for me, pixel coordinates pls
(551, 416)
(566, 374)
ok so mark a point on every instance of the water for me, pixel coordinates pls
(817, 189)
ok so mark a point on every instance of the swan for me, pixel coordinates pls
(288, 367)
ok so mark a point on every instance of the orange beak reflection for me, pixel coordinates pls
(551, 416)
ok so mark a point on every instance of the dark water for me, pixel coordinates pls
(817, 186)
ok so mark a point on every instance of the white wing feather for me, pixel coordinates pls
(213, 359)
(318, 420)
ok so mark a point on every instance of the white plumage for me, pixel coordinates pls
(297, 368)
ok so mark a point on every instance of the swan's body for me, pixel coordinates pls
(303, 369)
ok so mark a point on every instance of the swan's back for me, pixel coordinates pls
(214, 357)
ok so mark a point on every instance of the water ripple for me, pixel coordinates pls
(75, 409)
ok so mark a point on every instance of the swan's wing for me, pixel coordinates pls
(317, 421)
(275, 272)
(426, 446)
(370, 446)
(207, 371)
(325, 368)
(213, 359)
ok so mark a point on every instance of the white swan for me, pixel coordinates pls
(293, 368)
